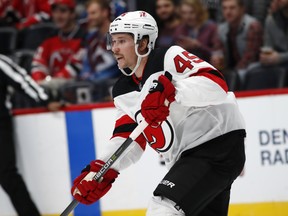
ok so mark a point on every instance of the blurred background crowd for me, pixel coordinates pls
(62, 43)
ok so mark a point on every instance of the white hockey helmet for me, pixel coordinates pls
(138, 23)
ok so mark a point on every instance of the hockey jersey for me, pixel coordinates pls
(98, 62)
(203, 110)
(56, 54)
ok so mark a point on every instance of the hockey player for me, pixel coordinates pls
(200, 134)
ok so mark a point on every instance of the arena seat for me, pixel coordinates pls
(233, 80)
(265, 78)
(8, 40)
(24, 58)
(81, 92)
(33, 36)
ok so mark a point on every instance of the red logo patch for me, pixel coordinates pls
(143, 14)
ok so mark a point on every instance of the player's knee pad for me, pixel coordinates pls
(160, 206)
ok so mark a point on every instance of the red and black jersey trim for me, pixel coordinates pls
(124, 126)
(215, 75)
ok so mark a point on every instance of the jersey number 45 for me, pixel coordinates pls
(182, 63)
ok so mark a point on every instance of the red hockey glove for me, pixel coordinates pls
(89, 191)
(169, 89)
(153, 107)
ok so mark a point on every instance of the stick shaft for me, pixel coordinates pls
(70, 208)
(136, 132)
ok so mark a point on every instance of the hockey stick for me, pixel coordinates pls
(136, 132)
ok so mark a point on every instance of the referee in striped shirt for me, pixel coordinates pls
(11, 181)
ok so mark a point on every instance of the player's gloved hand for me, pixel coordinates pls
(153, 107)
(87, 190)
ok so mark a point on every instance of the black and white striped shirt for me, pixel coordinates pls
(13, 75)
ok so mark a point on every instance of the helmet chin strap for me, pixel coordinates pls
(139, 58)
(125, 70)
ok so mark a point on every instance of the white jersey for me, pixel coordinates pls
(203, 108)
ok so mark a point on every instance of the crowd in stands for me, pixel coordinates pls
(62, 43)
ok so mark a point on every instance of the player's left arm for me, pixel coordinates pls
(124, 125)
(197, 82)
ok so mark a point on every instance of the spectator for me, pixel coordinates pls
(168, 21)
(98, 63)
(117, 8)
(275, 50)
(53, 56)
(214, 9)
(257, 9)
(10, 180)
(240, 38)
(29, 12)
(273, 6)
(197, 34)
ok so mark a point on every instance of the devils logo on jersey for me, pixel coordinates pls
(159, 138)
